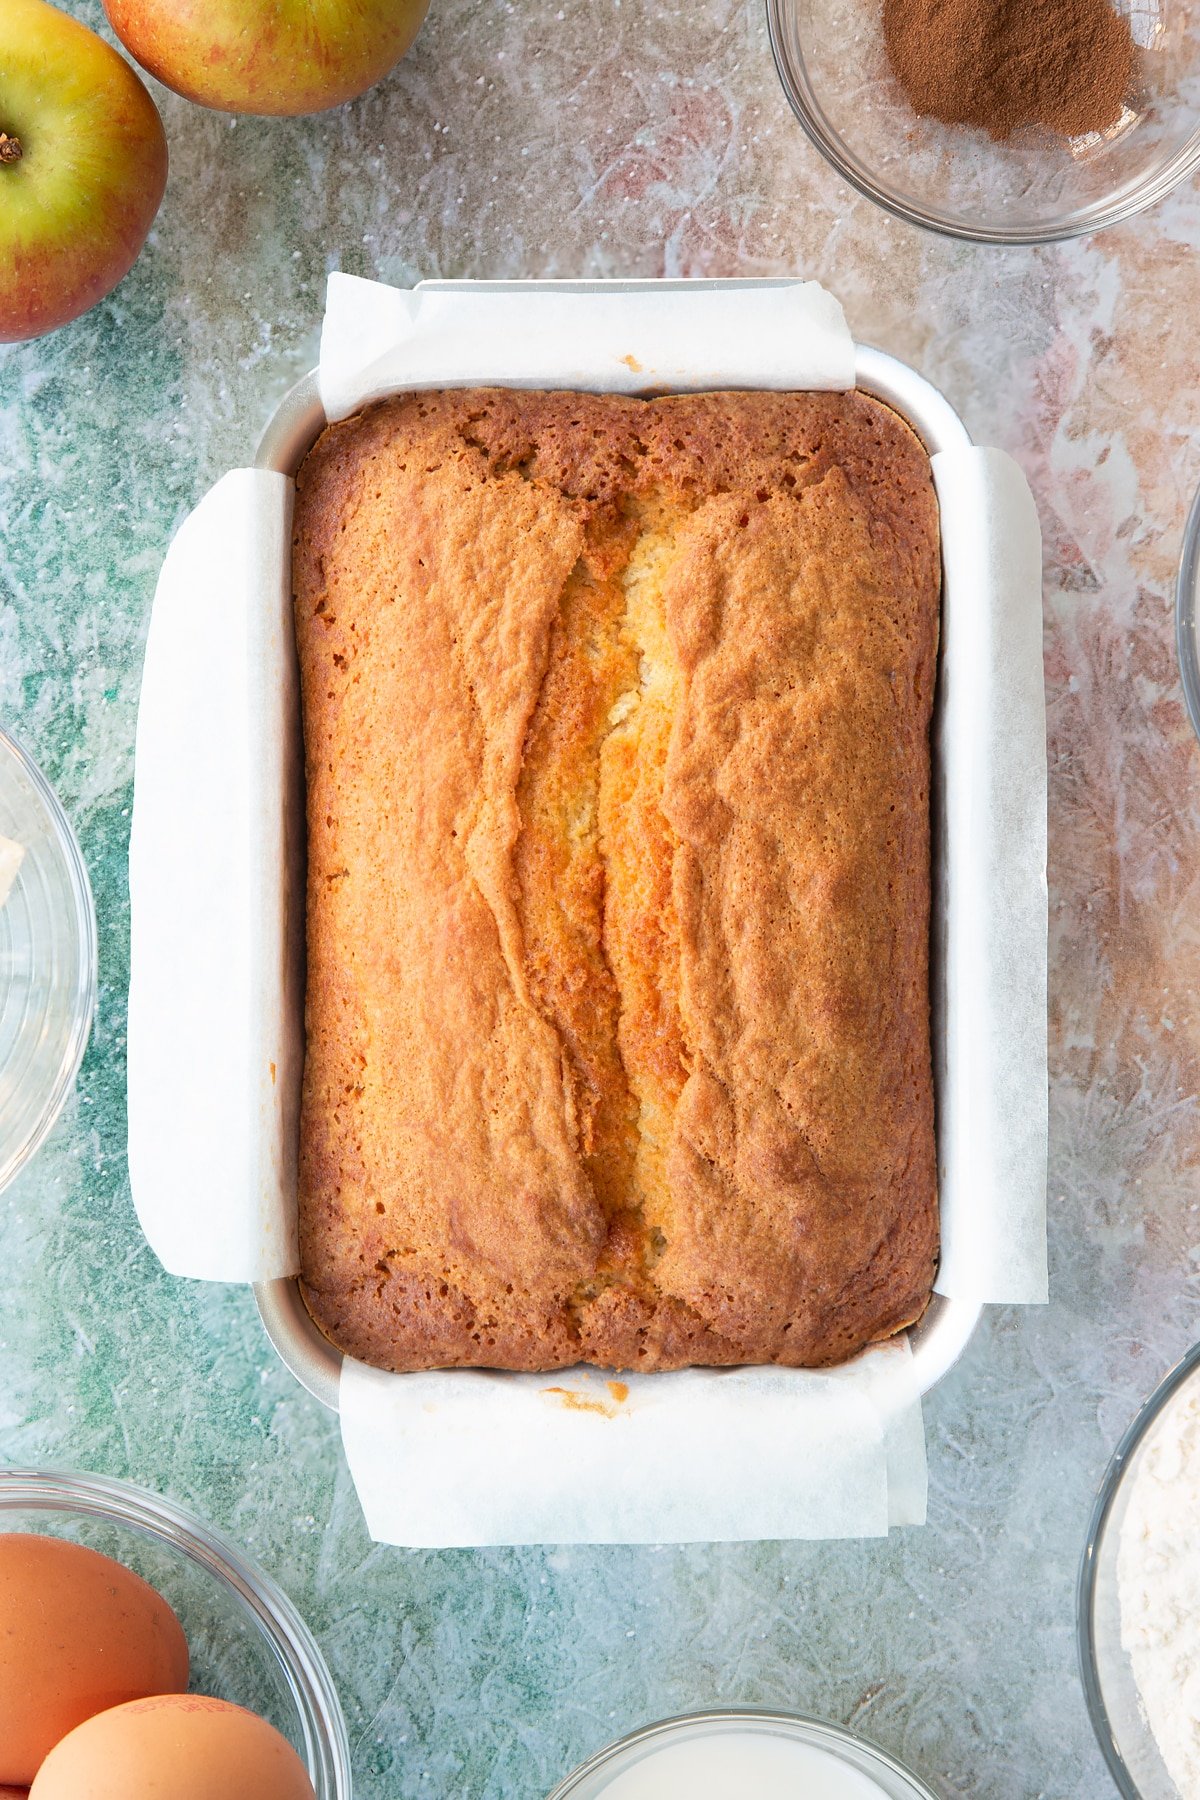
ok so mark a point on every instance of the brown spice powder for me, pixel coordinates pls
(1002, 64)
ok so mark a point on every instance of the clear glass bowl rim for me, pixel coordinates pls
(1143, 1420)
(803, 101)
(286, 1634)
(733, 1715)
(85, 925)
(1187, 591)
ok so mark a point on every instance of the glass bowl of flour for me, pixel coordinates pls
(1139, 1598)
(742, 1751)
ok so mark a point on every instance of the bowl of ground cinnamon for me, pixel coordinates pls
(999, 121)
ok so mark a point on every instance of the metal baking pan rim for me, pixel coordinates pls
(948, 1325)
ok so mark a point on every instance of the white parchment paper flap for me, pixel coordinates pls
(606, 337)
(216, 896)
(990, 733)
(702, 1455)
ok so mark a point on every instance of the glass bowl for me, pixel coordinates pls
(248, 1643)
(1033, 189)
(1108, 1680)
(47, 958)
(1187, 600)
(592, 1779)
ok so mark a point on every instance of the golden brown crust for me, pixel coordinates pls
(617, 741)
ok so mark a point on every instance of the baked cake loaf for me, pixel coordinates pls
(616, 720)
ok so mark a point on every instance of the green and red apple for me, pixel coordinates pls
(267, 56)
(83, 164)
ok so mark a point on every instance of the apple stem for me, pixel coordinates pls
(10, 148)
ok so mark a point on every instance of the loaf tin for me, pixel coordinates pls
(943, 1333)
(217, 863)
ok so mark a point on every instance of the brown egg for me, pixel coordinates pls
(175, 1747)
(78, 1633)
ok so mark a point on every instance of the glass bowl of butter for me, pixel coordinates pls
(47, 957)
(998, 121)
(1139, 1598)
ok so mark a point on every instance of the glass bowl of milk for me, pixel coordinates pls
(733, 1755)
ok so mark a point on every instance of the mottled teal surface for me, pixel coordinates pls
(625, 137)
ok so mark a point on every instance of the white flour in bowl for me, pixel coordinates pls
(1158, 1584)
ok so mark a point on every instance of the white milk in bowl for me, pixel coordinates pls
(739, 1765)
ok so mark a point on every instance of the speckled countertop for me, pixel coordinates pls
(623, 137)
